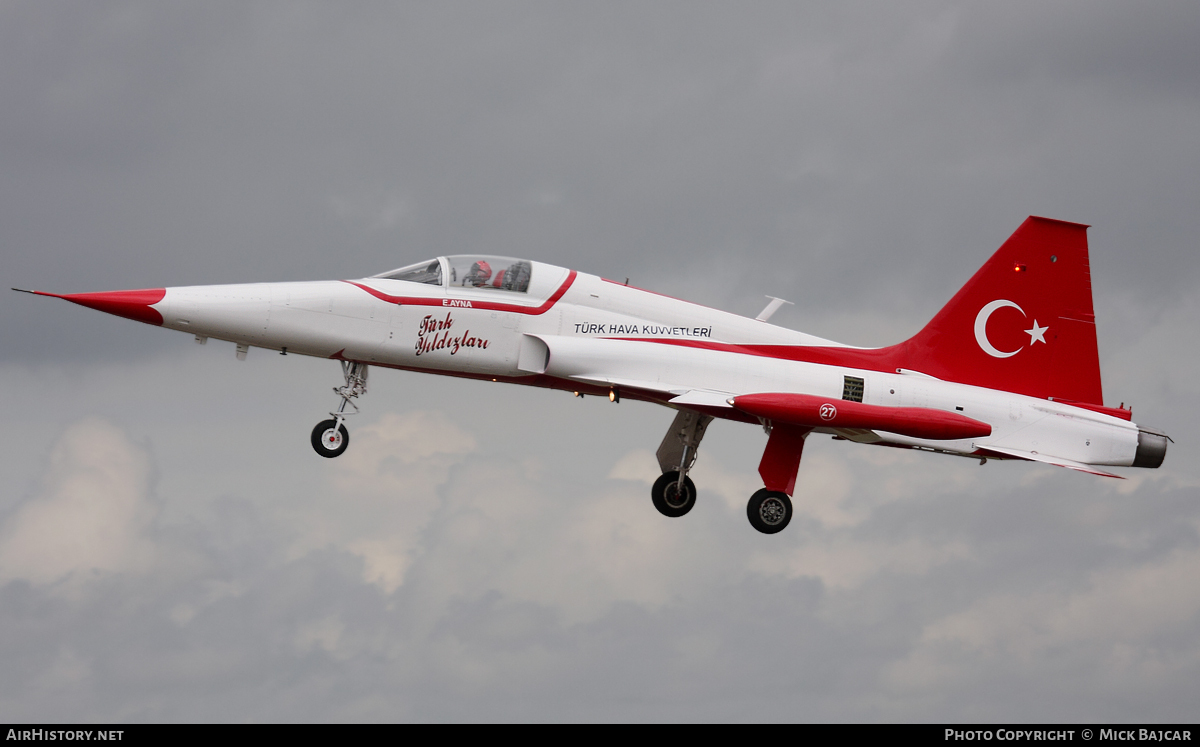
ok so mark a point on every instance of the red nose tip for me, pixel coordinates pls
(131, 304)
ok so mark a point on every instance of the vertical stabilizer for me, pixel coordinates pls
(1023, 323)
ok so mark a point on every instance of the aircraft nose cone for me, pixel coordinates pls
(131, 304)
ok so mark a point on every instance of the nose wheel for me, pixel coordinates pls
(769, 511)
(330, 438)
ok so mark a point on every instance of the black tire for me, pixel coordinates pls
(326, 442)
(769, 511)
(668, 499)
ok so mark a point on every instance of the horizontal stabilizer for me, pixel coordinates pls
(1033, 456)
(810, 411)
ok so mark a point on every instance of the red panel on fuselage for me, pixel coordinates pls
(816, 412)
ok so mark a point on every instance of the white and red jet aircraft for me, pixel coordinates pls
(1008, 369)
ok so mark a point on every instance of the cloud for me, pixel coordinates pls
(1123, 635)
(636, 466)
(842, 562)
(490, 551)
(1133, 605)
(382, 493)
(583, 548)
(92, 516)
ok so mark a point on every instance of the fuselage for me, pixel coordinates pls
(568, 330)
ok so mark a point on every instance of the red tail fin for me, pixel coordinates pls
(1023, 323)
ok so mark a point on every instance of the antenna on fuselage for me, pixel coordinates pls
(772, 307)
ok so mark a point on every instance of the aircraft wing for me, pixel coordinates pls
(636, 365)
(704, 398)
(1045, 458)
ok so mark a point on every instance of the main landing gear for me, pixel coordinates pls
(674, 493)
(330, 437)
(669, 498)
(770, 509)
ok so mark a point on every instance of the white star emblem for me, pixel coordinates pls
(1037, 334)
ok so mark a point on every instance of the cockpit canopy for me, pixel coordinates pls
(481, 271)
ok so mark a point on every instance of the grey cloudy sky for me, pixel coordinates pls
(171, 548)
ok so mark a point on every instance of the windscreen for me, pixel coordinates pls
(428, 272)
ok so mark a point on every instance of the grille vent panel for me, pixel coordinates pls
(852, 389)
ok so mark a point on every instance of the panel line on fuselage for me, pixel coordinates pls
(867, 359)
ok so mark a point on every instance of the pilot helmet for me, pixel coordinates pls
(479, 273)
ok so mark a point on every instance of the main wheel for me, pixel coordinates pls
(769, 511)
(328, 441)
(669, 499)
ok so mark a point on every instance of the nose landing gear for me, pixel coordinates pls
(330, 437)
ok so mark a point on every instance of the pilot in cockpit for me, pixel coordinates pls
(478, 275)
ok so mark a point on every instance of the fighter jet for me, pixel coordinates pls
(1008, 369)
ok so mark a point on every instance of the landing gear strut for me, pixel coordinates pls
(770, 509)
(330, 437)
(674, 493)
